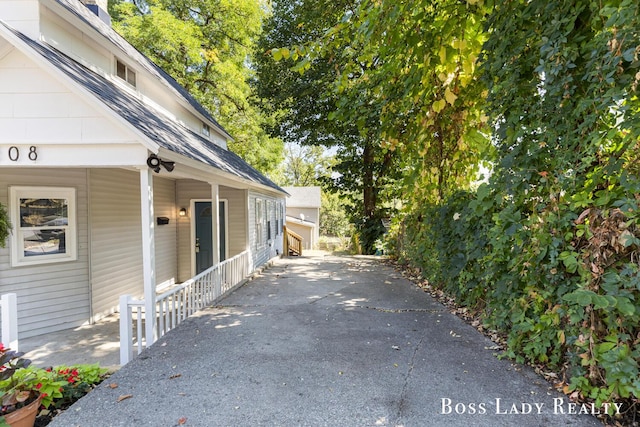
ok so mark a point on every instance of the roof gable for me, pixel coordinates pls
(152, 123)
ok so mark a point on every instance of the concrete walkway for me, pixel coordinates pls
(323, 341)
(87, 344)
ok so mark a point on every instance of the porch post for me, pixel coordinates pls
(148, 255)
(215, 222)
(247, 227)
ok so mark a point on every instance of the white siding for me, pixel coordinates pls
(51, 297)
(262, 253)
(58, 32)
(116, 237)
(21, 15)
(164, 197)
(311, 235)
(237, 219)
(188, 190)
(37, 109)
(81, 47)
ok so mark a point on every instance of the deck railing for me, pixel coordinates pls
(178, 302)
(293, 242)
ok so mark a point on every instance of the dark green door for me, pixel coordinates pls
(204, 242)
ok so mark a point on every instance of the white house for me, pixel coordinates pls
(303, 214)
(115, 178)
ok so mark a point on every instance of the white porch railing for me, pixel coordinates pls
(179, 302)
(9, 313)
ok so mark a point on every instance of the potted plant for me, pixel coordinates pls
(23, 388)
(5, 225)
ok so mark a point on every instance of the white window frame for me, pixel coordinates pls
(130, 76)
(18, 259)
(278, 218)
(206, 129)
(260, 237)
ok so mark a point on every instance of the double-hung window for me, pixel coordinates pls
(260, 222)
(44, 225)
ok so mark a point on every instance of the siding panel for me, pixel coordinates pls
(164, 197)
(187, 190)
(237, 217)
(116, 238)
(58, 292)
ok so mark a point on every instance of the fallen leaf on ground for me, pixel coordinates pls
(175, 376)
(113, 385)
(124, 397)
(182, 421)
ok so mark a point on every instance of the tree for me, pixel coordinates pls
(308, 103)
(306, 166)
(205, 46)
(333, 218)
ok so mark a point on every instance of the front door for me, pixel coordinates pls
(204, 230)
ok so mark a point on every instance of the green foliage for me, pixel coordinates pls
(302, 88)
(77, 380)
(5, 225)
(306, 166)
(547, 250)
(33, 380)
(204, 45)
(334, 221)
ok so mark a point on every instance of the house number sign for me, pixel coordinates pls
(14, 153)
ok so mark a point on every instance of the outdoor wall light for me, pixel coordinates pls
(182, 212)
(154, 162)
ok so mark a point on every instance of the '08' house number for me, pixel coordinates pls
(14, 153)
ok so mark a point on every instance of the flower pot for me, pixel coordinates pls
(25, 416)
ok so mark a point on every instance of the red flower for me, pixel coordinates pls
(39, 386)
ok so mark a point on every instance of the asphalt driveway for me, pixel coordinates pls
(324, 341)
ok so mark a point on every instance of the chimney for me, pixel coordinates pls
(100, 8)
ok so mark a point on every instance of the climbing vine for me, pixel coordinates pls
(548, 250)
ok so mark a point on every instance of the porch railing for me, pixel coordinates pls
(292, 242)
(178, 302)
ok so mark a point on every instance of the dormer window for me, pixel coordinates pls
(125, 73)
(206, 130)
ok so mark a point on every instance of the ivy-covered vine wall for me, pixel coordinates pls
(548, 250)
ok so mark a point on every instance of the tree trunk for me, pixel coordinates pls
(369, 191)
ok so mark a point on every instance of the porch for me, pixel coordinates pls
(99, 342)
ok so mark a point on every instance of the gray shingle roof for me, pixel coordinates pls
(154, 124)
(130, 52)
(304, 197)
